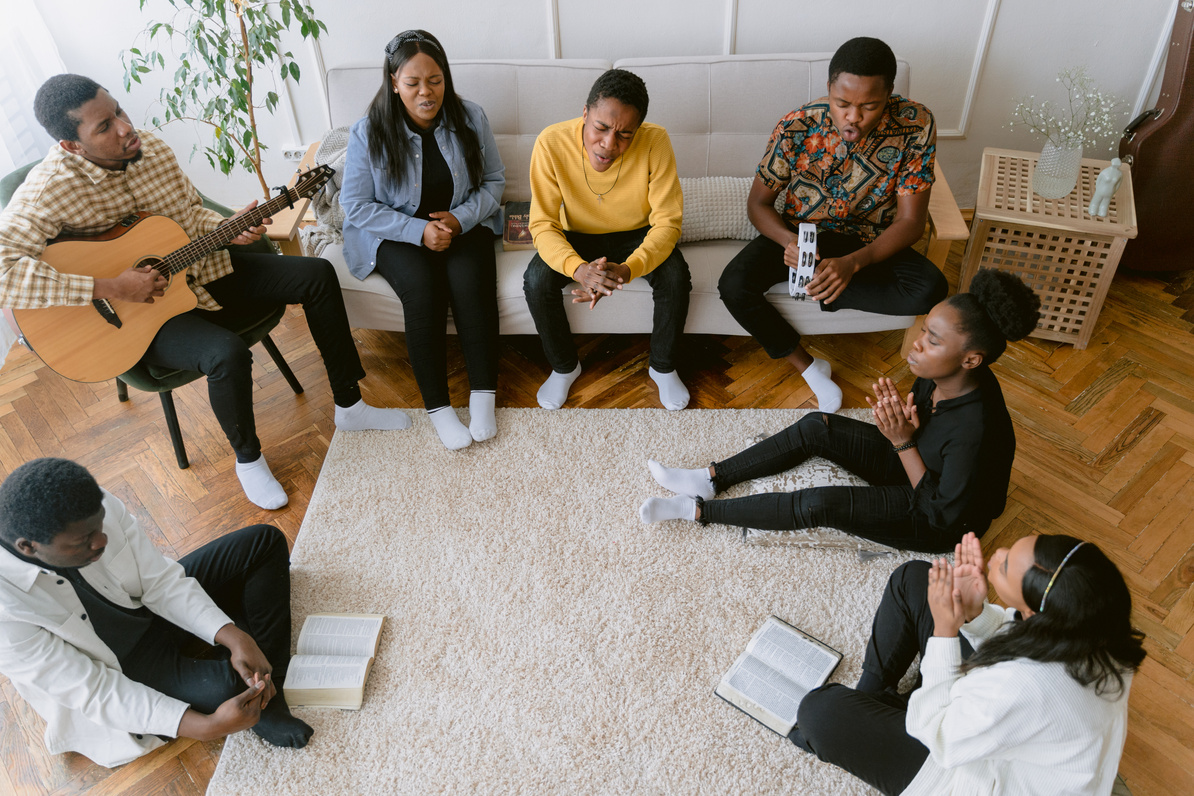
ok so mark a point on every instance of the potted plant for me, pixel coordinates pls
(219, 46)
(1086, 116)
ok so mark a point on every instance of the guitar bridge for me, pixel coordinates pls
(104, 308)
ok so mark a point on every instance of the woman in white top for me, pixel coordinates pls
(1028, 699)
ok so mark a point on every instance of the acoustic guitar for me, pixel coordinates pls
(101, 340)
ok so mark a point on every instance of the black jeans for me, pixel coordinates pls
(862, 729)
(464, 277)
(904, 284)
(247, 574)
(206, 342)
(670, 285)
(882, 512)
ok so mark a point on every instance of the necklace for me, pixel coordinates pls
(584, 158)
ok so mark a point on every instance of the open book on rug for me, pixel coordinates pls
(780, 665)
(332, 661)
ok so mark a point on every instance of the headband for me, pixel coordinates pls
(404, 37)
(1057, 572)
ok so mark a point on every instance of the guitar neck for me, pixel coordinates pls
(227, 232)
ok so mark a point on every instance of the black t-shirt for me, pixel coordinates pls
(967, 444)
(437, 176)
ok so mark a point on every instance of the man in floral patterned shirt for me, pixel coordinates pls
(858, 163)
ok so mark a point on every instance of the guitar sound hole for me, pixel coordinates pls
(155, 262)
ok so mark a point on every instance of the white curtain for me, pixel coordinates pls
(28, 55)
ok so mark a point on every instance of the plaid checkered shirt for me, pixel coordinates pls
(68, 194)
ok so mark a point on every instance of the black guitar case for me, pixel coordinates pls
(1159, 146)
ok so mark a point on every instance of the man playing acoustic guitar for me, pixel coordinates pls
(104, 170)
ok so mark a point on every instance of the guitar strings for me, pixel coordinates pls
(197, 249)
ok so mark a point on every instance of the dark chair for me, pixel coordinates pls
(150, 378)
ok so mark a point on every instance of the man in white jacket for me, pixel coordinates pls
(94, 622)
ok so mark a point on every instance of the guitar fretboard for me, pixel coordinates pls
(223, 235)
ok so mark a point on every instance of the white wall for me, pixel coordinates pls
(1020, 51)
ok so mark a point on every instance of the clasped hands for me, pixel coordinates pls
(831, 275)
(957, 592)
(440, 230)
(243, 710)
(598, 279)
(897, 419)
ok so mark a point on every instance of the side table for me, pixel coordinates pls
(1059, 250)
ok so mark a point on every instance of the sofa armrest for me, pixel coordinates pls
(945, 220)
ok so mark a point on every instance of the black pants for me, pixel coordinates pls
(247, 574)
(905, 284)
(203, 341)
(670, 285)
(882, 512)
(464, 277)
(862, 729)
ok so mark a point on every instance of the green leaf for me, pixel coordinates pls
(134, 51)
(294, 70)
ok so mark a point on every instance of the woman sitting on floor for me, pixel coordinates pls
(938, 464)
(422, 188)
(1040, 708)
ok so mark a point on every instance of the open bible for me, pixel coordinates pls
(332, 660)
(780, 665)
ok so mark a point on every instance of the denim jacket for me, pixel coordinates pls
(377, 208)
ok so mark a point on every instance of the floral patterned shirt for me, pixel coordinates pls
(850, 188)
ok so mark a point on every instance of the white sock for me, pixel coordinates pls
(554, 392)
(829, 395)
(672, 392)
(680, 507)
(693, 483)
(363, 417)
(451, 431)
(481, 423)
(261, 488)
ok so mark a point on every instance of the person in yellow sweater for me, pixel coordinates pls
(605, 209)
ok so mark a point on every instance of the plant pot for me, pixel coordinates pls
(1057, 171)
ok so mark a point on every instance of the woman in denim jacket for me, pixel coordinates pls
(421, 194)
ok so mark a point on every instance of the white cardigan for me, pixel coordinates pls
(1020, 727)
(62, 668)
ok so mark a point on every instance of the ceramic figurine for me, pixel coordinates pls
(1106, 185)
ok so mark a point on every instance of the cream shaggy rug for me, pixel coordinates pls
(540, 638)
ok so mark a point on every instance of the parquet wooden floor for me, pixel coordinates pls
(1106, 452)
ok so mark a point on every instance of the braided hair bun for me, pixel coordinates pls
(998, 308)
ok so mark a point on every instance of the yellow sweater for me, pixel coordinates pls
(646, 193)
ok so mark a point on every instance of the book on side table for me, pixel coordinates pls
(780, 665)
(334, 655)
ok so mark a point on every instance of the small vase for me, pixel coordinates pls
(1057, 171)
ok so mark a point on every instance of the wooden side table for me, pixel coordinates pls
(1066, 256)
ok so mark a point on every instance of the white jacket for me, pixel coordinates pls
(62, 668)
(1019, 726)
